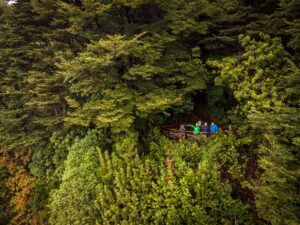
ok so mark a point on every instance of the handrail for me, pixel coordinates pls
(185, 134)
(188, 131)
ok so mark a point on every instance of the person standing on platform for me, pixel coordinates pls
(182, 132)
(214, 128)
(182, 127)
(196, 128)
(199, 124)
(205, 128)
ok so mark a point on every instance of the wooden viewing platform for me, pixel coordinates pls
(174, 133)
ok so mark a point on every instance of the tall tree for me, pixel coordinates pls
(73, 201)
(32, 92)
(260, 79)
(14, 62)
(179, 188)
(118, 78)
(279, 155)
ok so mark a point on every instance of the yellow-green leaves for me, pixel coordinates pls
(73, 201)
(253, 76)
(182, 186)
(119, 79)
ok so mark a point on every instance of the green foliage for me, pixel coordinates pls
(119, 79)
(40, 199)
(279, 155)
(13, 65)
(276, 190)
(254, 75)
(60, 144)
(219, 102)
(48, 158)
(73, 201)
(181, 190)
(121, 68)
(226, 20)
(265, 82)
(48, 165)
(281, 20)
(32, 102)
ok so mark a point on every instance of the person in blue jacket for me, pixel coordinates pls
(214, 128)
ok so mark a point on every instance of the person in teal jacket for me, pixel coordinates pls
(196, 128)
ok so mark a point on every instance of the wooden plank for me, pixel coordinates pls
(184, 134)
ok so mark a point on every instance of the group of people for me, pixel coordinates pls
(203, 128)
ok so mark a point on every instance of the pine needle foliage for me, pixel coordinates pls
(133, 190)
(73, 201)
(84, 84)
(119, 78)
(261, 80)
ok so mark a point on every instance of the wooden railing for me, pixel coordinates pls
(184, 134)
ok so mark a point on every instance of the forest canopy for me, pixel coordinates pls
(88, 87)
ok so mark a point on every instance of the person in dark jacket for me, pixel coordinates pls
(205, 128)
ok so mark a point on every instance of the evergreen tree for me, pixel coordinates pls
(133, 190)
(119, 79)
(226, 20)
(289, 14)
(13, 65)
(254, 76)
(278, 18)
(55, 18)
(32, 92)
(260, 79)
(122, 67)
(44, 85)
(73, 201)
(279, 155)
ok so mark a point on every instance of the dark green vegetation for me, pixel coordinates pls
(85, 86)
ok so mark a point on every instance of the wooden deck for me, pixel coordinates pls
(173, 133)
